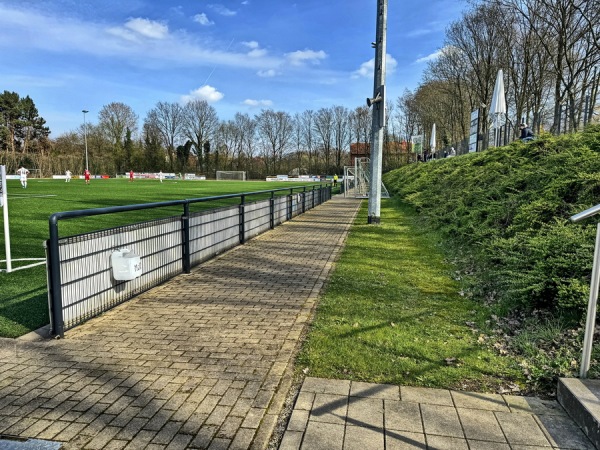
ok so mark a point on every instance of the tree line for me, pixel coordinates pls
(191, 138)
(549, 51)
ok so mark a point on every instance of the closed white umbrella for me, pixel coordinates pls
(432, 140)
(498, 105)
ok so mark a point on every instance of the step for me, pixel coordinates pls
(581, 400)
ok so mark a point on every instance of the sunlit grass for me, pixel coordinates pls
(392, 313)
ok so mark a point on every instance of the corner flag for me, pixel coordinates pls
(4, 206)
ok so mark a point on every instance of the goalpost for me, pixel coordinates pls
(238, 175)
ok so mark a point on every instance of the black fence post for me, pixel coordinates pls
(242, 219)
(313, 197)
(304, 200)
(54, 278)
(272, 210)
(289, 205)
(185, 223)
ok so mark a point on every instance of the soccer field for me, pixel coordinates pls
(23, 294)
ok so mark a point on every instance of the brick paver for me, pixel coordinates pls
(197, 362)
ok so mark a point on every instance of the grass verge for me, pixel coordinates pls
(392, 313)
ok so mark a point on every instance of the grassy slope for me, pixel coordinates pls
(23, 294)
(392, 313)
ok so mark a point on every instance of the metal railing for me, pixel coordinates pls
(590, 324)
(81, 284)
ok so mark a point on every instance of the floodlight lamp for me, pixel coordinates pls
(377, 99)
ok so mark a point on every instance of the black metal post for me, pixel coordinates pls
(272, 210)
(304, 200)
(185, 224)
(54, 277)
(242, 219)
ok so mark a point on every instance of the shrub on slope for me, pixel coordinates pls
(507, 210)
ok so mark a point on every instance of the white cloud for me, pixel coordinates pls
(257, 103)
(203, 20)
(419, 32)
(148, 28)
(430, 57)
(206, 92)
(267, 73)
(222, 10)
(300, 57)
(141, 41)
(367, 69)
(255, 50)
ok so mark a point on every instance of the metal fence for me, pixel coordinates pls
(81, 283)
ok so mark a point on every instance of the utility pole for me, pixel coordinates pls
(378, 122)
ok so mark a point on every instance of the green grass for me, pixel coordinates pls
(23, 294)
(392, 313)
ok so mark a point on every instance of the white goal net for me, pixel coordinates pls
(238, 175)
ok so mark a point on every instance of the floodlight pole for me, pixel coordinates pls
(85, 138)
(378, 121)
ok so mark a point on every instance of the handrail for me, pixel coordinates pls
(590, 324)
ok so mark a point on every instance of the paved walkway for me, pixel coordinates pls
(339, 414)
(204, 361)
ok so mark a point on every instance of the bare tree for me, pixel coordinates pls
(342, 133)
(115, 118)
(361, 124)
(200, 122)
(246, 130)
(567, 32)
(275, 131)
(306, 125)
(478, 37)
(167, 118)
(324, 129)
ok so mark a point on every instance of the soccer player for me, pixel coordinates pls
(131, 175)
(86, 175)
(67, 176)
(23, 172)
(160, 176)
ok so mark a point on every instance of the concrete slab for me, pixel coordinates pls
(426, 396)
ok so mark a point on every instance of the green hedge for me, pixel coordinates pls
(506, 211)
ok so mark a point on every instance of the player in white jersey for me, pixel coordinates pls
(23, 172)
(68, 176)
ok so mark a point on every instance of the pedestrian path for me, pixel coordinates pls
(204, 361)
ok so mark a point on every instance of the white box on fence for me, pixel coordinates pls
(126, 265)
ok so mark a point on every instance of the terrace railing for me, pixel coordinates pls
(81, 284)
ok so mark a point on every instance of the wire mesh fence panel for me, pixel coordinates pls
(213, 232)
(88, 285)
(258, 218)
(280, 209)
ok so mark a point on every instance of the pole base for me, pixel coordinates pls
(374, 220)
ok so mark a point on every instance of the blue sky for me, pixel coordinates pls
(239, 55)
